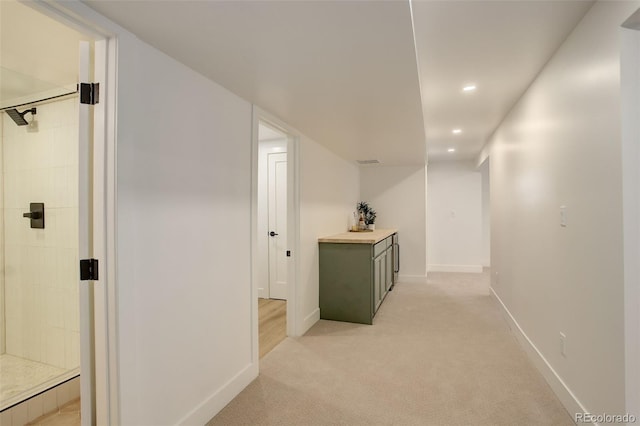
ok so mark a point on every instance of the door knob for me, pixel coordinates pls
(272, 234)
(35, 215)
(32, 215)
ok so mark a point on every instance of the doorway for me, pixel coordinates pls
(272, 236)
(50, 141)
(39, 194)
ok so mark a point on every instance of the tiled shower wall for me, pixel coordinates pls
(41, 265)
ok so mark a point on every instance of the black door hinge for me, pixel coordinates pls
(89, 93)
(89, 270)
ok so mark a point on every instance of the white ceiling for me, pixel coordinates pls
(345, 72)
(342, 72)
(500, 46)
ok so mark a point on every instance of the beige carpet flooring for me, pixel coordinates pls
(439, 353)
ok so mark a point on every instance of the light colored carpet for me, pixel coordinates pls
(439, 353)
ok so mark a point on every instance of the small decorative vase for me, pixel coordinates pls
(371, 226)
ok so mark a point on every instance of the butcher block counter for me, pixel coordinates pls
(357, 270)
(359, 237)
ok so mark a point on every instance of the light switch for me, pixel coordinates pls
(563, 216)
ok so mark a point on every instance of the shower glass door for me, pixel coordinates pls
(39, 310)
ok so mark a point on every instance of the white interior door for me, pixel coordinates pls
(277, 200)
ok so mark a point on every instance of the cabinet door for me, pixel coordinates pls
(378, 281)
(389, 269)
(383, 275)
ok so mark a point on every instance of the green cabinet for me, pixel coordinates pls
(379, 273)
(354, 279)
(389, 269)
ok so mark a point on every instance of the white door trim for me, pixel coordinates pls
(293, 220)
(80, 18)
(630, 96)
(295, 321)
(85, 249)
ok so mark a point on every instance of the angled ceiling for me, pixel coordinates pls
(342, 72)
(499, 46)
(346, 72)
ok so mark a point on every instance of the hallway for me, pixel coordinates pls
(438, 353)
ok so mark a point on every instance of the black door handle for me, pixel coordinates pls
(272, 234)
(35, 215)
(32, 215)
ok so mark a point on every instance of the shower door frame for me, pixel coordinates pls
(103, 385)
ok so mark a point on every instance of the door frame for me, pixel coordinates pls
(293, 220)
(105, 383)
(630, 108)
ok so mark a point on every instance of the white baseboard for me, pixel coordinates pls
(211, 406)
(308, 321)
(412, 278)
(559, 387)
(455, 268)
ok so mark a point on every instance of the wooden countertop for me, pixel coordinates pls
(359, 237)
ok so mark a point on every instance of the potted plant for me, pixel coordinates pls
(368, 214)
(370, 219)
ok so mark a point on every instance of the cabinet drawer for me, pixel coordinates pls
(381, 246)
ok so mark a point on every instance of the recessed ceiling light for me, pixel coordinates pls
(451, 150)
(469, 88)
(456, 131)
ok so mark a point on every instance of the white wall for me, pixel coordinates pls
(454, 217)
(398, 193)
(183, 235)
(561, 145)
(486, 212)
(41, 265)
(329, 189)
(264, 149)
(183, 240)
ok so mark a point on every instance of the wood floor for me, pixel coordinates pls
(67, 415)
(272, 324)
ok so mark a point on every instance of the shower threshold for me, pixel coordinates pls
(21, 379)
